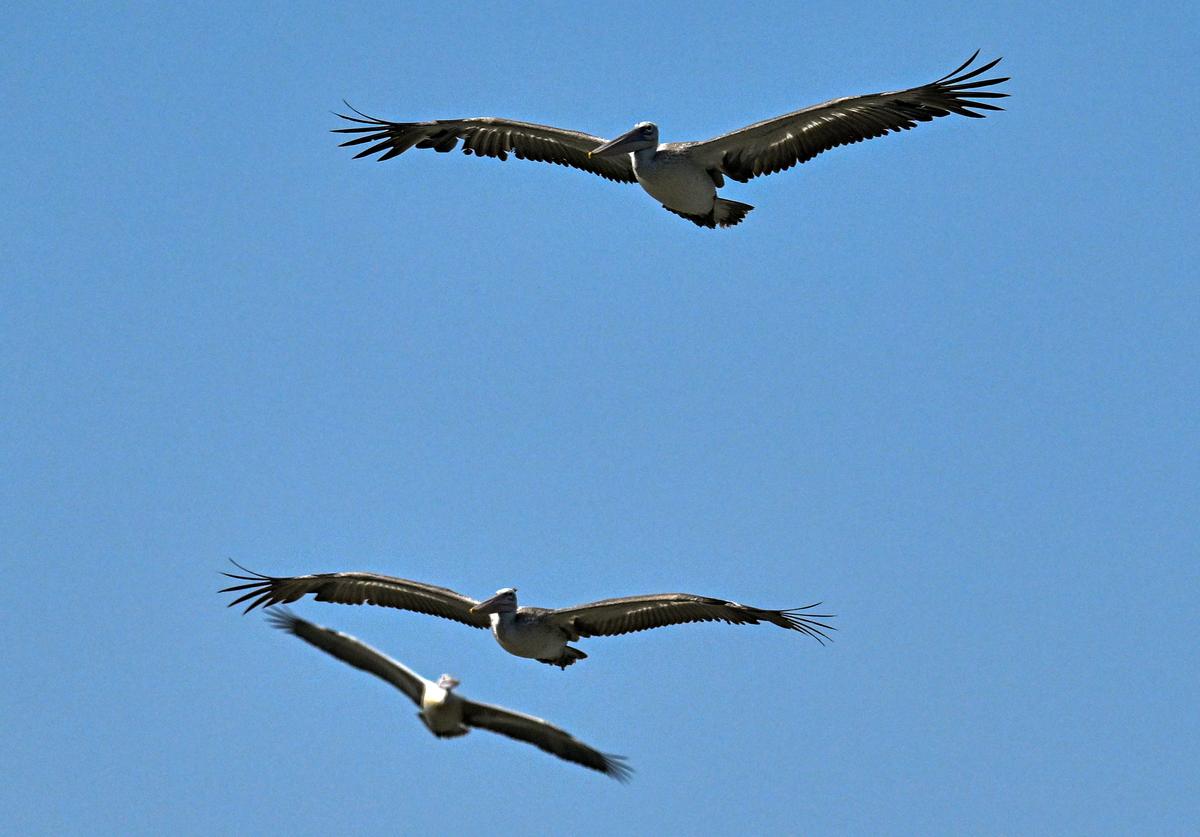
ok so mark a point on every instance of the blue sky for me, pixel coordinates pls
(944, 381)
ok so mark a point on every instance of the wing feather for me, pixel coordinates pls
(780, 143)
(350, 651)
(354, 588)
(612, 617)
(545, 736)
(486, 137)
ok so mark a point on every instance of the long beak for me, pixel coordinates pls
(616, 146)
(485, 606)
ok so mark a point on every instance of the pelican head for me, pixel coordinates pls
(505, 601)
(447, 682)
(642, 135)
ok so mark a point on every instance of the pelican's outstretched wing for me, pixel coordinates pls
(640, 613)
(545, 736)
(350, 650)
(355, 589)
(780, 143)
(487, 136)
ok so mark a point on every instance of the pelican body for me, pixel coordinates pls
(673, 177)
(443, 712)
(441, 709)
(525, 632)
(535, 633)
(684, 176)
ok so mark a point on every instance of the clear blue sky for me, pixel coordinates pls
(945, 381)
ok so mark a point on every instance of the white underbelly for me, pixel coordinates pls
(442, 711)
(537, 644)
(678, 185)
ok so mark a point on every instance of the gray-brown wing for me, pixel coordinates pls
(351, 651)
(356, 588)
(780, 143)
(545, 736)
(612, 617)
(487, 136)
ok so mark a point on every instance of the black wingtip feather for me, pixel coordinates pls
(366, 117)
(373, 149)
(256, 584)
(960, 67)
(282, 618)
(973, 73)
(616, 767)
(253, 574)
(801, 619)
(987, 82)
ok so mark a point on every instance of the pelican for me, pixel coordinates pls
(533, 632)
(684, 176)
(444, 713)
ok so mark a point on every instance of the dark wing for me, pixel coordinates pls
(356, 589)
(487, 136)
(780, 143)
(349, 650)
(612, 617)
(544, 736)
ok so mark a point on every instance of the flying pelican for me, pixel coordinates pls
(534, 632)
(444, 713)
(684, 176)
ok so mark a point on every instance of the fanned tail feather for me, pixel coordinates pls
(568, 657)
(724, 214)
(730, 213)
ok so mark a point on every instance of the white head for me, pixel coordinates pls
(642, 135)
(447, 682)
(505, 601)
